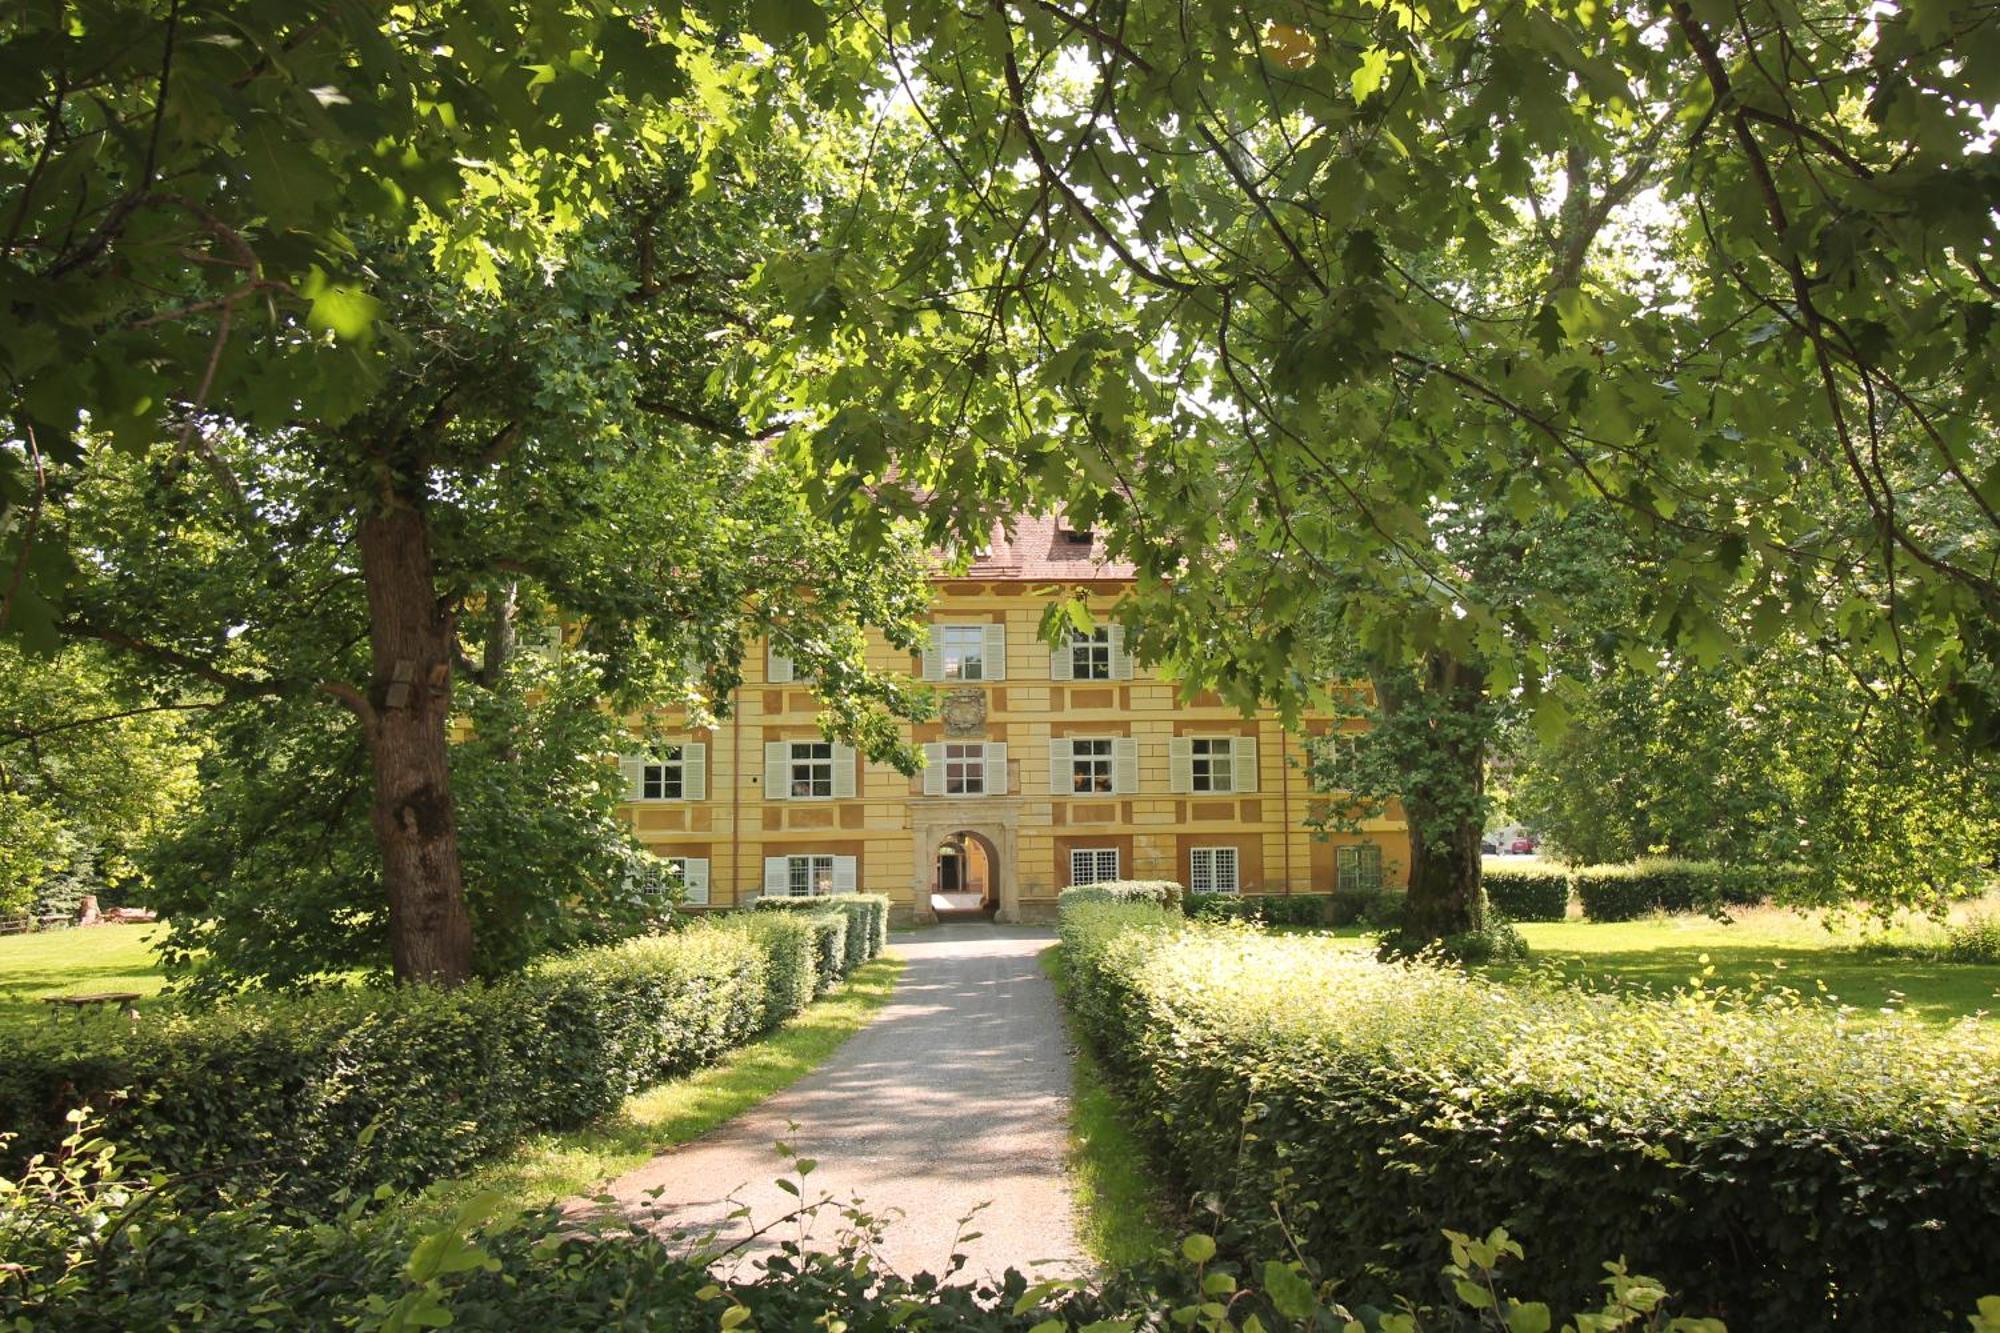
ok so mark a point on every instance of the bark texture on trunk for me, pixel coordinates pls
(1445, 893)
(416, 827)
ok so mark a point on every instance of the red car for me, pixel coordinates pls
(1522, 846)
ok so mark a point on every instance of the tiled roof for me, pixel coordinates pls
(1035, 549)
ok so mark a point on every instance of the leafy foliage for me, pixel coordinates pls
(1627, 892)
(1769, 1158)
(1523, 894)
(1304, 909)
(349, 1089)
(867, 919)
(1158, 892)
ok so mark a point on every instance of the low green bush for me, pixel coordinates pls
(1303, 909)
(867, 920)
(1384, 912)
(1527, 894)
(93, 1244)
(790, 945)
(1159, 892)
(829, 930)
(400, 1087)
(1349, 907)
(1628, 892)
(1773, 1160)
(1976, 941)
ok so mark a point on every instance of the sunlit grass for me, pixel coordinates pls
(1121, 1214)
(76, 961)
(551, 1167)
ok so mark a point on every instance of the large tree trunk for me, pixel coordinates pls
(416, 828)
(1446, 698)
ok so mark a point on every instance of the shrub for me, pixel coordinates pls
(1302, 909)
(93, 1244)
(1977, 941)
(1385, 912)
(399, 1086)
(1159, 892)
(829, 930)
(1628, 892)
(1523, 894)
(1776, 1161)
(867, 920)
(790, 944)
(1350, 907)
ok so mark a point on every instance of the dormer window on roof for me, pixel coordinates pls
(1075, 536)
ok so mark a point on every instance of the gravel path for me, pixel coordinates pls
(956, 1095)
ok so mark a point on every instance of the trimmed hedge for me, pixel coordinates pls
(1158, 892)
(867, 919)
(1628, 892)
(364, 1087)
(1301, 909)
(1775, 1161)
(1522, 894)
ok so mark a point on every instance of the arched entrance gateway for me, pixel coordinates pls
(964, 861)
(965, 877)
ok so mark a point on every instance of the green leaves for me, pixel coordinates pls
(348, 311)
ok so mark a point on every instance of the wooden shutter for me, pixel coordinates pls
(1243, 764)
(844, 877)
(934, 770)
(934, 655)
(1062, 779)
(777, 877)
(694, 880)
(1121, 661)
(1124, 765)
(994, 665)
(777, 667)
(843, 771)
(1062, 661)
(777, 770)
(1180, 764)
(996, 769)
(633, 768)
(694, 771)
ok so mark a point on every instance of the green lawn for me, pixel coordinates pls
(1769, 947)
(1121, 1216)
(73, 962)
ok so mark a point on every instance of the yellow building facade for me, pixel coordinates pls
(1045, 769)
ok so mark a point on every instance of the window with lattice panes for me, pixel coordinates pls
(812, 769)
(1358, 869)
(962, 649)
(1092, 865)
(1213, 870)
(1214, 764)
(808, 876)
(964, 769)
(1090, 655)
(1091, 765)
(661, 779)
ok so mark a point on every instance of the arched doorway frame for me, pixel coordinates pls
(997, 825)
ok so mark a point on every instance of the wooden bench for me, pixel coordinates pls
(126, 1000)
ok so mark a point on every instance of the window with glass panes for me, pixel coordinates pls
(964, 769)
(1213, 765)
(660, 780)
(1090, 655)
(1358, 869)
(963, 650)
(1090, 765)
(806, 876)
(1212, 870)
(1092, 865)
(812, 768)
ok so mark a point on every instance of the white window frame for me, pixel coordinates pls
(803, 875)
(965, 770)
(655, 774)
(1204, 759)
(1090, 655)
(683, 868)
(811, 765)
(1357, 868)
(962, 652)
(1096, 864)
(1098, 766)
(1205, 870)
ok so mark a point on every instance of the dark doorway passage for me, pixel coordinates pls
(965, 882)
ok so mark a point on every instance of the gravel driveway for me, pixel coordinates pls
(956, 1095)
